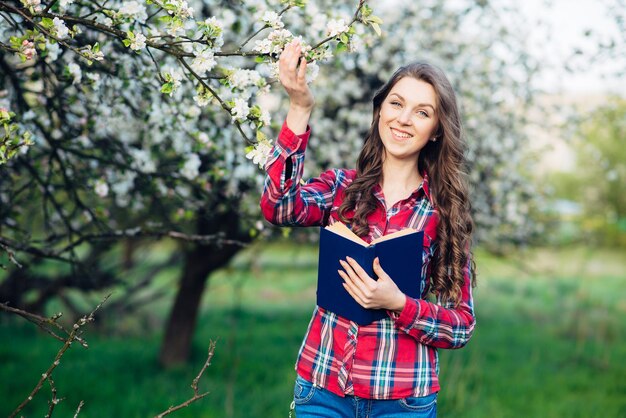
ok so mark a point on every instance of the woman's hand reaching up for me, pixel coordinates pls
(293, 78)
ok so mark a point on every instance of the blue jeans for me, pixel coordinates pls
(311, 401)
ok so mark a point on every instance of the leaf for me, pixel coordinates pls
(47, 23)
(167, 88)
(376, 28)
(341, 47)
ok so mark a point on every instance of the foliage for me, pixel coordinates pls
(597, 182)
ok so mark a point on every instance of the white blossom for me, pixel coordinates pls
(240, 78)
(275, 42)
(265, 117)
(203, 137)
(35, 4)
(191, 167)
(260, 153)
(101, 188)
(95, 79)
(142, 160)
(65, 3)
(312, 71)
(336, 27)
(134, 10)
(202, 100)
(264, 46)
(139, 42)
(75, 72)
(272, 19)
(60, 29)
(204, 61)
(52, 51)
(122, 184)
(175, 76)
(240, 110)
(182, 8)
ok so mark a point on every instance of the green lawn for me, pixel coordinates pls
(550, 342)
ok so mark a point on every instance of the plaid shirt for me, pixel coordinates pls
(392, 358)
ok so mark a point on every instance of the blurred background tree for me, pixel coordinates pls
(115, 160)
(596, 184)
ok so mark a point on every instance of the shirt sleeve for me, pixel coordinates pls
(285, 201)
(437, 324)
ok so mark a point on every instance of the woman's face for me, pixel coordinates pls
(408, 119)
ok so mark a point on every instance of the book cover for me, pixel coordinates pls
(400, 256)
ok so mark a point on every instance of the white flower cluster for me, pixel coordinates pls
(180, 8)
(53, 51)
(134, 10)
(260, 153)
(312, 71)
(213, 30)
(101, 188)
(204, 61)
(34, 4)
(139, 42)
(336, 27)
(272, 19)
(203, 98)
(174, 76)
(274, 43)
(240, 110)
(60, 30)
(75, 72)
(240, 79)
(65, 3)
(142, 160)
(191, 168)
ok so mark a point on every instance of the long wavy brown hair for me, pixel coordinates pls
(444, 162)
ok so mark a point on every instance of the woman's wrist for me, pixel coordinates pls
(399, 303)
(298, 118)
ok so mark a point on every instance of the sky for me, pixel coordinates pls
(566, 22)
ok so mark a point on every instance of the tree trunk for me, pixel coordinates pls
(200, 261)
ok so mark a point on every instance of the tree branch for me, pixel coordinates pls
(74, 335)
(194, 385)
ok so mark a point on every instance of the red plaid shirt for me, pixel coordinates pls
(395, 357)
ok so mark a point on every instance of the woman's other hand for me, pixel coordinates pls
(293, 78)
(369, 293)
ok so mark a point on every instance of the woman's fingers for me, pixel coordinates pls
(353, 289)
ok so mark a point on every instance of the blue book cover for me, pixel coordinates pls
(400, 256)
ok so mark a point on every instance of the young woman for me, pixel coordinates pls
(409, 175)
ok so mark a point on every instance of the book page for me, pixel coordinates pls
(341, 229)
(396, 234)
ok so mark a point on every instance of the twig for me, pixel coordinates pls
(40, 321)
(54, 401)
(73, 336)
(80, 405)
(194, 385)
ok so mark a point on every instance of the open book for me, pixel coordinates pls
(400, 255)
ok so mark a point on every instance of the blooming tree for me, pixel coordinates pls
(141, 116)
(129, 120)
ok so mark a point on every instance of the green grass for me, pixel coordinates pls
(550, 342)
